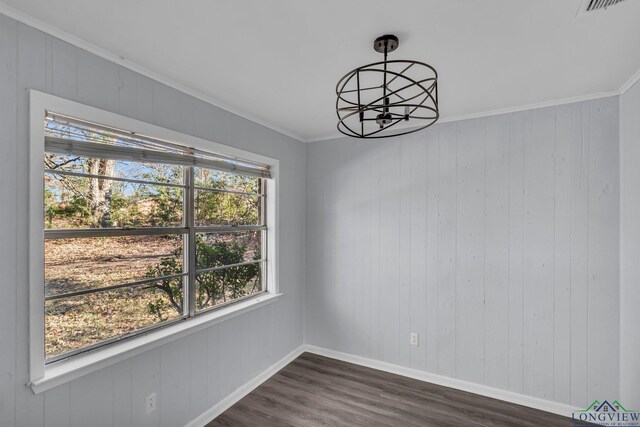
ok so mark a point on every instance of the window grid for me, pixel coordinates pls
(188, 230)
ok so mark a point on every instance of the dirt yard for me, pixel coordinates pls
(76, 264)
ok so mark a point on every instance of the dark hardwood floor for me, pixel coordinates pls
(318, 391)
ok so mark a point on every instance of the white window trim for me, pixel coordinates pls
(44, 377)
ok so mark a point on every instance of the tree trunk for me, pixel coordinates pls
(100, 190)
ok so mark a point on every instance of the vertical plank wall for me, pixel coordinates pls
(495, 239)
(192, 374)
(630, 248)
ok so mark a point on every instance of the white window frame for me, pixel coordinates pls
(45, 376)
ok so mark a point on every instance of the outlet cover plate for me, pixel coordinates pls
(413, 338)
(150, 403)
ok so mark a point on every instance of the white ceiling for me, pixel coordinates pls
(278, 61)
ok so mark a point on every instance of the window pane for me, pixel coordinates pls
(77, 264)
(78, 322)
(226, 181)
(78, 202)
(214, 208)
(220, 286)
(219, 249)
(169, 174)
(128, 194)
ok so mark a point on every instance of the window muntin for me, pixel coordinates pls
(220, 180)
(238, 282)
(151, 173)
(80, 201)
(228, 267)
(79, 264)
(83, 322)
(219, 249)
(140, 278)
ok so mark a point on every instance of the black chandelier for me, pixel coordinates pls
(374, 98)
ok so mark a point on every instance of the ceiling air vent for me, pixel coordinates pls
(601, 4)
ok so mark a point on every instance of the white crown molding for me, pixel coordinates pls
(629, 83)
(508, 110)
(110, 56)
(133, 66)
(589, 97)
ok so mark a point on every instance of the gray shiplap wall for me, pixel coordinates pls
(630, 249)
(191, 374)
(495, 239)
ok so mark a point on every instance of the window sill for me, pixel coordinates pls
(75, 367)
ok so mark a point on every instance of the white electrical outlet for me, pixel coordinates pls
(150, 403)
(413, 338)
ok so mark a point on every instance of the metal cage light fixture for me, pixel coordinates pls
(374, 98)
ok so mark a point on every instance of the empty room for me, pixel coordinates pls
(319, 213)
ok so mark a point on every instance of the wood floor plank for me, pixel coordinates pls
(318, 391)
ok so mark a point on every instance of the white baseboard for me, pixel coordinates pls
(483, 390)
(243, 390)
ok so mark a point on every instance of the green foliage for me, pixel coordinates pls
(228, 282)
(226, 181)
(227, 208)
(166, 202)
(123, 213)
(171, 288)
(157, 308)
(211, 287)
(87, 202)
(72, 210)
(83, 202)
(167, 206)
